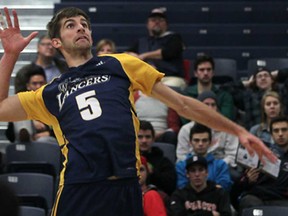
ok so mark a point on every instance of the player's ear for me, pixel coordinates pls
(56, 43)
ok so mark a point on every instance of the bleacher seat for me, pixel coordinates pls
(169, 150)
(270, 63)
(34, 157)
(266, 211)
(31, 211)
(225, 70)
(200, 34)
(240, 54)
(33, 189)
(184, 12)
(235, 29)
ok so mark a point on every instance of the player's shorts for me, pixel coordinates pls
(121, 197)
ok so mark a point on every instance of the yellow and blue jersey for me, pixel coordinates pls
(91, 110)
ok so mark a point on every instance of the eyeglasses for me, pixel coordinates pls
(144, 136)
(45, 44)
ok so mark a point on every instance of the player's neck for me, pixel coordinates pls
(75, 60)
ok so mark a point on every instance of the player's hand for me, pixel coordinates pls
(12, 40)
(255, 145)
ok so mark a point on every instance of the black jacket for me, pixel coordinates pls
(188, 202)
(164, 173)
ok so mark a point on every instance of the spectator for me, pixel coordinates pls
(46, 58)
(161, 48)
(163, 174)
(153, 204)
(91, 109)
(204, 72)
(105, 46)
(223, 145)
(165, 120)
(248, 94)
(200, 139)
(200, 197)
(271, 106)
(25, 131)
(258, 189)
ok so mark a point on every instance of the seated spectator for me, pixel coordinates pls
(47, 59)
(166, 122)
(200, 139)
(204, 72)
(248, 94)
(161, 48)
(271, 106)
(200, 196)
(223, 145)
(258, 189)
(105, 46)
(153, 204)
(163, 174)
(25, 131)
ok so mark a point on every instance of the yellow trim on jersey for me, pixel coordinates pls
(33, 104)
(137, 71)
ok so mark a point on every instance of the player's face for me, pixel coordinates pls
(280, 133)
(272, 106)
(145, 139)
(75, 34)
(204, 73)
(197, 176)
(200, 143)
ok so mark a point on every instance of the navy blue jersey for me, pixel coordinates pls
(91, 110)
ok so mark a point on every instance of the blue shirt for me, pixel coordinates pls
(218, 171)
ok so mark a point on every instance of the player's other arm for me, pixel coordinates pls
(193, 109)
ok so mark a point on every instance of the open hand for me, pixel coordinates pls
(254, 145)
(12, 40)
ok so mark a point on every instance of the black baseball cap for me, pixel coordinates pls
(196, 160)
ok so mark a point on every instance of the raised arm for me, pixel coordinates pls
(193, 109)
(13, 43)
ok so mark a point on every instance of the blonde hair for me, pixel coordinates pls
(273, 94)
(104, 42)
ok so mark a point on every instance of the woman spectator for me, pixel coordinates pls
(248, 94)
(105, 46)
(271, 106)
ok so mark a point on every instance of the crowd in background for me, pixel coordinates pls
(205, 176)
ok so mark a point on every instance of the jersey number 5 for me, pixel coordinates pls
(88, 105)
